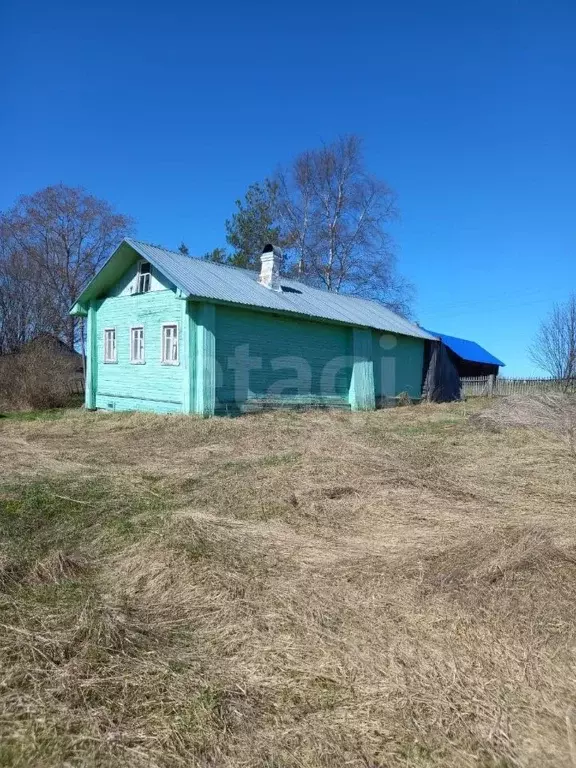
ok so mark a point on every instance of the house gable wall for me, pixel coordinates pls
(126, 285)
(131, 386)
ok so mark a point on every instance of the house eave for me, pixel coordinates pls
(297, 315)
(79, 310)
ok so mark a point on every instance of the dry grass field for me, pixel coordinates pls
(290, 590)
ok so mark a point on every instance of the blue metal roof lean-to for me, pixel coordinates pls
(468, 350)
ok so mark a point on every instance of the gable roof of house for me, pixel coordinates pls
(197, 278)
(468, 350)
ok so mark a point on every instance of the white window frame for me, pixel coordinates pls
(114, 357)
(162, 358)
(132, 359)
(144, 279)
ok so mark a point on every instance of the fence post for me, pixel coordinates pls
(491, 382)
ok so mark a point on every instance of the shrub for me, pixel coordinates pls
(37, 377)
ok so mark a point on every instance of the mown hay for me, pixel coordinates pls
(288, 590)
(553, 412)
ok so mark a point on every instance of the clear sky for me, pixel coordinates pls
(170, 109)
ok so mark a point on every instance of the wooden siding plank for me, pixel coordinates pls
(116, 402)
(362, 394)
(187, 354)
(205, 360)
(91, 386)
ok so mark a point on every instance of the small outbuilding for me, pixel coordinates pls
(450, 360)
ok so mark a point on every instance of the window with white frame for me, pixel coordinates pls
(170, 344)
(144, 277)
(110, 345)
(137, 345)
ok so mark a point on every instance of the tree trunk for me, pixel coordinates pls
(71, 332)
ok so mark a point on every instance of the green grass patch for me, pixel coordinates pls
(270, 460)
(66, 513)
(49, 414)
(439, 427)
(45, 414)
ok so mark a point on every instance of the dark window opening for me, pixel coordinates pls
(144, 275)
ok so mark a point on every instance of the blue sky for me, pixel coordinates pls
(169, 110)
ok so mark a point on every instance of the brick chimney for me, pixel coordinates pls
(270, 269)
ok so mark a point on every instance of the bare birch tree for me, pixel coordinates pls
(554, 348)
(334, 217)
(295, 212)
(25, 306)
(51, 244)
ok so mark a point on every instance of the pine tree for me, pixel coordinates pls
(253, 225)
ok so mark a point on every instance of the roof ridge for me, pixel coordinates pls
(189, 256)
(245, 270)
(159, 248)
(227, 266)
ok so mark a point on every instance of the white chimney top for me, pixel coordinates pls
(270, 269)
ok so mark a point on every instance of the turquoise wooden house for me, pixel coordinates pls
(171, 333)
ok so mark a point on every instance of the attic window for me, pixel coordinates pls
(143, 280)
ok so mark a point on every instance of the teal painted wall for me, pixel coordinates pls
(149, 386)
(362, 386)
(398, 362)
(292, 360)
(275, 345)
(203, 380)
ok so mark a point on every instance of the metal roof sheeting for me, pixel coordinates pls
(220, 282)
(468, 350)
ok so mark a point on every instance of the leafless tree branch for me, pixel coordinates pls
(333, 218)
(554, 348)
(51, 245)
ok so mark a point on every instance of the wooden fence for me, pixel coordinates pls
(500, 385)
